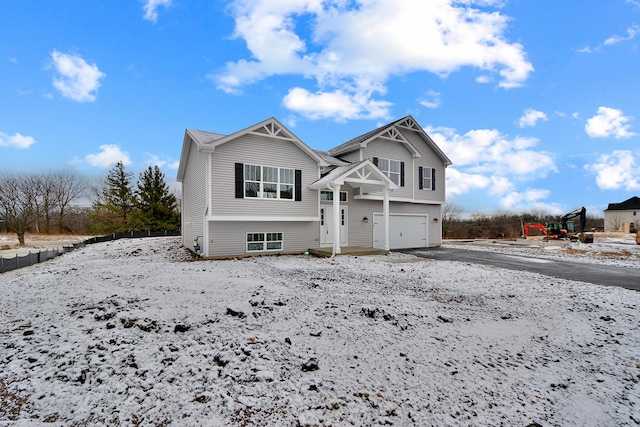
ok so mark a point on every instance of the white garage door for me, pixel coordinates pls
(405, 231)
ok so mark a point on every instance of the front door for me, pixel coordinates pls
(327, 223)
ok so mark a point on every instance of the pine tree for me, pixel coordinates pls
(115, 202)
(156, 207)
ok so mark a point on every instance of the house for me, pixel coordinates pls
(262, 190)
(623, 216)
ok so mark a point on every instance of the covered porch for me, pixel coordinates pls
(366, 178)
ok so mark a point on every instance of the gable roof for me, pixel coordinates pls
(271, 128)
(629, 204)
(363, 174)
(208, 141)
(392, 131)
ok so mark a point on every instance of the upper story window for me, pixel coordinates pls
(328, 196)
(268, 182)
(394, 169)
(426, 178)
(391, 168)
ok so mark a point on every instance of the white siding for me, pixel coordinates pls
(384, 148)
(613, 220)
(264, 151)
(361, 233)
(229, 238)
(428, 159)
(194, 196)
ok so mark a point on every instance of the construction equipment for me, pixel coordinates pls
(551, 230)
(528, 226)
(565, 229)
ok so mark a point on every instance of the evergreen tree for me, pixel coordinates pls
(115, 202)
(156, 207)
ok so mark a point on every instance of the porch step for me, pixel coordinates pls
(348, 250)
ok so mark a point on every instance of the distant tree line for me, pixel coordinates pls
(39, 202)
(48, 203)
(499, 225)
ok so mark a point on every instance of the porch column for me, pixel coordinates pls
(385, 211)
(337, 219)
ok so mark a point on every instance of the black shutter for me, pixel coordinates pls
(433, 178)
(401, 174)
(420, 177)
(298, 189)
(375, 161)
(239, 181)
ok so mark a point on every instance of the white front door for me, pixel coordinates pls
(327, 223)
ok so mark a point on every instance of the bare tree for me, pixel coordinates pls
(19, 201)
(450, 213)
(44, 187)
(68, 186)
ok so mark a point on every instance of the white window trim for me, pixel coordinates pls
(428, 175)
(388, 172)
(265, 242)
(346, 196)
(262, 182)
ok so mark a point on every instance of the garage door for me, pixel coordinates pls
(405, 231)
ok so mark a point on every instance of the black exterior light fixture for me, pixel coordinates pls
(365, 219)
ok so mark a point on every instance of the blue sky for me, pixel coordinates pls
(536, 103)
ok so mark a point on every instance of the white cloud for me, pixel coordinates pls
(608, 122)
(151, 9)
(76, 79)
(108, 156)
(486, 160)
(488, 151)
(616, 170)
(351, 52)
(16, 140)
(155, 160)
(431, 101)
(461, 183)
(632, 32)
(531, 117)
(530, 200)
(337, 105)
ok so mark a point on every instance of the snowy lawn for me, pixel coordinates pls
(132, 332)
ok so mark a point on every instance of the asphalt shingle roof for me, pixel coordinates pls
(629, 204)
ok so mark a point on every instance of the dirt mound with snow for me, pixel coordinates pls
(133, 332)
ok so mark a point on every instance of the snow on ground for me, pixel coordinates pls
(615, 251)
(132, 332)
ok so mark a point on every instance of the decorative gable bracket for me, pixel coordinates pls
(273, 130)
(409, 123)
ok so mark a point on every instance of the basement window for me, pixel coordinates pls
(260, 242)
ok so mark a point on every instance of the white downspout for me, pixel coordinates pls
(336, 218)
(385, 211)
(208, 210)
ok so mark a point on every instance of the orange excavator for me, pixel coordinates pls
(529, 225)
(565, 229)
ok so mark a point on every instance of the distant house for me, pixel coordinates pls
(262, 190)
(624, 216)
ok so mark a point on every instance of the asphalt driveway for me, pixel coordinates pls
(591, 273)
